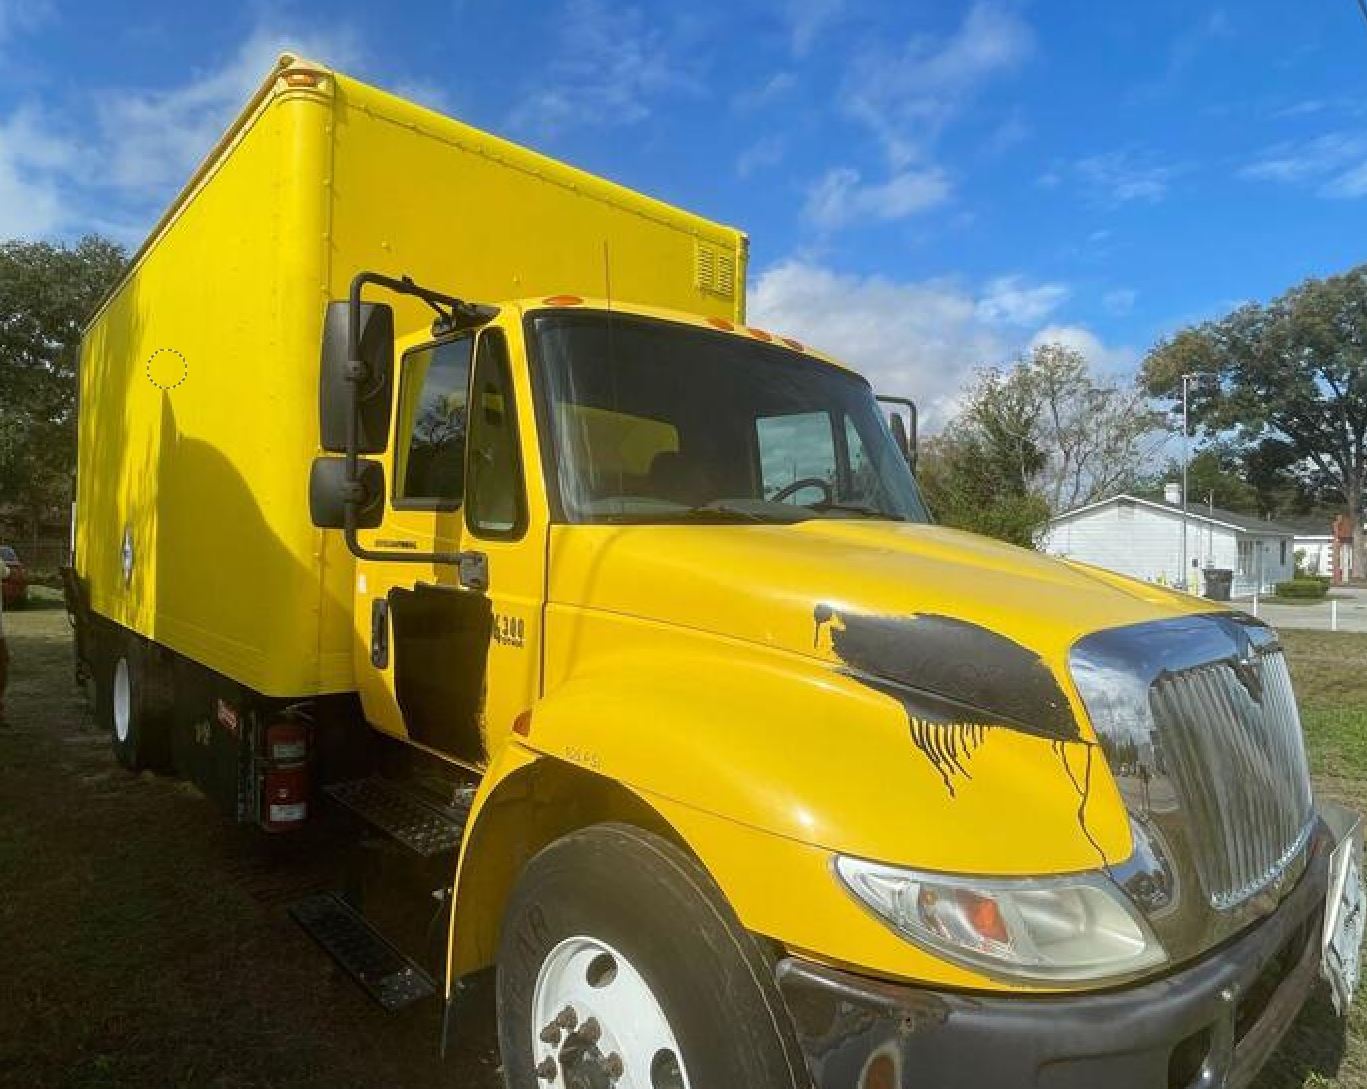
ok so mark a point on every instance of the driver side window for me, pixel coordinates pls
(799, 446)
(432, 420)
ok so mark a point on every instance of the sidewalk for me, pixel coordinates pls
(1315, 616)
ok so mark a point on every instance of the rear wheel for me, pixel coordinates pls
(622, 967)
(133, 702)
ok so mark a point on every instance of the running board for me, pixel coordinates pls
(385, 974)
(426, 827)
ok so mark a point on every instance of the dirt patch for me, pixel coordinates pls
(145, 937)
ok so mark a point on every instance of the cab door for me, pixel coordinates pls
(441, 646)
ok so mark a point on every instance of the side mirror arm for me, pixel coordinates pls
(907, 439)
(459, 314)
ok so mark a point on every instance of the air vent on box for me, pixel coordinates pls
(715, 270)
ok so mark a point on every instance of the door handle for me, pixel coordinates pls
(379, 633)
(474, 570)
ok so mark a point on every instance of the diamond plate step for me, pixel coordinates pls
(426, 827)
(388, 976)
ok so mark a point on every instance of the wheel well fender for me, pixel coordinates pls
(528, 808)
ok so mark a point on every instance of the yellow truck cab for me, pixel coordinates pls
(428, 480)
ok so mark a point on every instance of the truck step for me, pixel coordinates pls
(427, 827)
(388, 976)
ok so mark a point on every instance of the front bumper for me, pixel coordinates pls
(1209, 1025)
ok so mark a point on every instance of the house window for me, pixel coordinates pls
(1283, 552)
(1246, 557)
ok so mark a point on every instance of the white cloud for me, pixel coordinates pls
(1107, 359)
(922, 339)
(34, 162)
(907, 97)
(1010, 300)
(1334, 162)
(152, 140)
(841, 197)
(22, 16)
(765, 152)
(1120, 301)
(426, 93)
(774, 89)
(610, 64)
(808, 20)
(108, 163)
(1123, 177)
(1210, 29)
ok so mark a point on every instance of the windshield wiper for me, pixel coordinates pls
(857, 508)
(718, 511)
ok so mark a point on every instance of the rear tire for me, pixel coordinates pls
(614, 919)
(133, 702)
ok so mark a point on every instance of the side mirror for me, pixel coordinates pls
(329, 491)
(375, 393)
(902, 420)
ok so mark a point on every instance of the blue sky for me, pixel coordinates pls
(927, 185)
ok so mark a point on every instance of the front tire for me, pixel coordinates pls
(133, 703)
(621, 965)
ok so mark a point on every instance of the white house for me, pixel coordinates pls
(1315, 544)
(1143, 538)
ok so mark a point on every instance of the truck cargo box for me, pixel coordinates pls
(200, 371)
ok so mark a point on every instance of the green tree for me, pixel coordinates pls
(1215, 475)
(1288, 385)
(979, 473)
(1040, 436)
(47, 292)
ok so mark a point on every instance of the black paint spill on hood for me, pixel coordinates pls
(955, 680)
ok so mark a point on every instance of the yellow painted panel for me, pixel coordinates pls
(420, 194)
(199, 382)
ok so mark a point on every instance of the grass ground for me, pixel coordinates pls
(144, 941)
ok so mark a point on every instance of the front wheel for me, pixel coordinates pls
(622, 967)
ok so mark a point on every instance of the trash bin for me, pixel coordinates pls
(1219, 580)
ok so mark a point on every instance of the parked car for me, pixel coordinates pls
(15, 586)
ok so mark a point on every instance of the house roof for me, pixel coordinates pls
(1311, 525)
(1197, 512)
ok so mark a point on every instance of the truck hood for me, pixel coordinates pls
(781, 585)
(970, 636)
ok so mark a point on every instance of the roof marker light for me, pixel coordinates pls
(302, 77)
(759, 334)
(795, 345)
(562, 300)
(722, 323)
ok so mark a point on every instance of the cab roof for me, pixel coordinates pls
(569, 302)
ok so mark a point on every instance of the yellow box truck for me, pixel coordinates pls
(425, 479)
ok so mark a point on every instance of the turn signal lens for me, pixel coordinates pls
(1074, 929)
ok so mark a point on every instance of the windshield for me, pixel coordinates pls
(653, 421)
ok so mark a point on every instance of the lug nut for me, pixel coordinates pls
(567, 1018)
(591, 1031)
(546, 1069)
(551, 1034)
(613, 1066)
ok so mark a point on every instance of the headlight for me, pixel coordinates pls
(1073, 929)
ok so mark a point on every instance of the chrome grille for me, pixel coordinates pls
(1228, 734)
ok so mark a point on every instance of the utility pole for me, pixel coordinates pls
(1187, 379)
(1186, 457)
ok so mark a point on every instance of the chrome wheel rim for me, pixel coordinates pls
(596, 1024)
